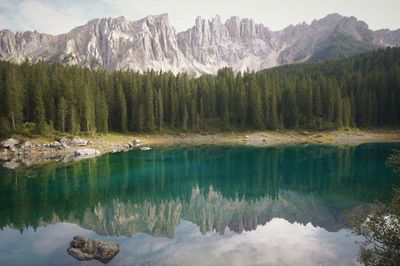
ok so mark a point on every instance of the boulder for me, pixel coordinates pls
(64, 142)
(10, 143)
(83, 248)
(27, 145)
(56, 145)
(87, 153)
(11, 165)
(79, 142)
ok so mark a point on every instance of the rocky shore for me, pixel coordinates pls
(16, 153)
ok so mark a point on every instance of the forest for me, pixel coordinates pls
(360, 91)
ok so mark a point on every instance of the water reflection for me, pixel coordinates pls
(277, 243)
(216, 188)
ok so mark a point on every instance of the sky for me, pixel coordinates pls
(60, 16)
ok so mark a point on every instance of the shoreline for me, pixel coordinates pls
(41, 149)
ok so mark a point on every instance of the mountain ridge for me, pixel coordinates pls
(152, 43)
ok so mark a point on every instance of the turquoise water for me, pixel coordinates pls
(207, 205)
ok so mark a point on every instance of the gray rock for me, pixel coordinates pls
(83, 248)
(152, 43)
(9, 143)
(79, 142)
(55, 144)
(27, 145)
(11, 165)
(87, 153)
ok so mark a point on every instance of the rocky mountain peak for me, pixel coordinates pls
(151, 42)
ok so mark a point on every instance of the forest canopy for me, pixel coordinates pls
(360, 91)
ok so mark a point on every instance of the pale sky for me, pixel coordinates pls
(60, 16)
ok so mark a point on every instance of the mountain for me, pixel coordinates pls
(152, 43)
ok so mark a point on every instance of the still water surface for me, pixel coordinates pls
(207, 205)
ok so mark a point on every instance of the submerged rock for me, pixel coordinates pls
(83, 248)
(11, 165)
(87, 153)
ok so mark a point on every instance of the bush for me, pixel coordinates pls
(380, 227)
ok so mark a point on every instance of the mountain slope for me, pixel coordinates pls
(152, 43)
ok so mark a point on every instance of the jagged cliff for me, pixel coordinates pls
(152, 43)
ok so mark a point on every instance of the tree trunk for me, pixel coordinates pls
(13, 120)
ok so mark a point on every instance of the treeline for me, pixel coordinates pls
(361, 91)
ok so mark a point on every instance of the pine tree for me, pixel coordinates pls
(317, 105)
(242, 100)
(255, 109)
(13, 97)
(62, 113)
(274, 119)
(160, 110)
(290, 112)
(123, 117)
(101, 113)
(149, 104)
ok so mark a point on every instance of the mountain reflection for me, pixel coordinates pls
(214, 187)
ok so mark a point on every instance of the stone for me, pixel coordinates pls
(64, 142)
(145, 148)
(79, 142)
(55, 144)
(83, 248)
(87, 153)
(11, 165)
(9, 143)
(26, 145)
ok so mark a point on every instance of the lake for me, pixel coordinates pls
(204, 205)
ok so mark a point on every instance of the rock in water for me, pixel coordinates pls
(83, 248)
(87, 153)
(11, 165)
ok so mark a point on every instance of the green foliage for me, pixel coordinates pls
(380, 227)
(361, 91)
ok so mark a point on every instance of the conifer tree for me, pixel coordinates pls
(62, 113)
(149, 104)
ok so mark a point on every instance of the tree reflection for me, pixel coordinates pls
(214, 187)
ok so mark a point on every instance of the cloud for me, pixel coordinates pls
(60, 16)
(40, 16)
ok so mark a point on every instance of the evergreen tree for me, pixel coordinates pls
(274, 119)
(62, 113)
(123, 118)
(149, 104)
(242, 100)
(13, 106)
